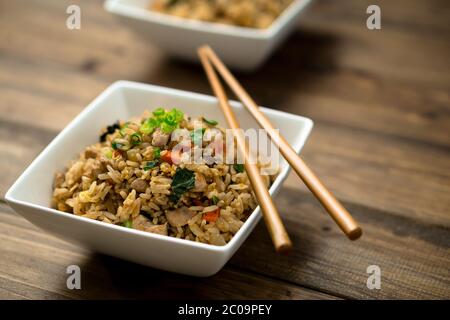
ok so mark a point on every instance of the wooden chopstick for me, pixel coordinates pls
(340, 215)
(274, 224)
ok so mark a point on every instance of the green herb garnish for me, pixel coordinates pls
(128, 224)
(156, 153)
(215, 200)
(167, 127)
(210, 122)
(107, 152)
(159, 112)
(150, 165)
(136, 139)
(183, 180)
(149, 125)
(122, 130)
(167, 121)
(238, 167)
(115, 145)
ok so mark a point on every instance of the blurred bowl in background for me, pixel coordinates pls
(240, 48)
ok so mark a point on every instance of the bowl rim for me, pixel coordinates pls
(123, 84)
(131, 11)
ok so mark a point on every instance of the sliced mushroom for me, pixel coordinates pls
(179, 217)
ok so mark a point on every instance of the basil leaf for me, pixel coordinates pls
(150, 165)
(238, 167)
(211, 122)
(183, 180)
(157, 153)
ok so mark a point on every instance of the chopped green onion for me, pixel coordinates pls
(128, 224)
(215, 200)
(150, 165)
(178, 115)
(156, 153)
(238, 167)
(149, 126)
(170, 119)
(210, 122)
(167, 121)
(159, 112)
(167, 127)
(115, 145)
(136, 139)
(107, 152)
(122, 130)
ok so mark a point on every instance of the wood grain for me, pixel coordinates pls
(381, 105)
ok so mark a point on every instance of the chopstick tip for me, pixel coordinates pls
(203, 48)
(355, 234)
(284, 249)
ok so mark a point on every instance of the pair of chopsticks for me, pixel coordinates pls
(272, 219)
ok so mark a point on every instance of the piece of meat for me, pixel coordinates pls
(89, 153)
(158, 228)
(179, 217)
(143, 224)
(59, 180)
(200, 183)
(159, 138)
(140, 185)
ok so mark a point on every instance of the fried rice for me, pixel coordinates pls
(246, 13)
(134, 178)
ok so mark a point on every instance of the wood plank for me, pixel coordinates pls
(33, 265)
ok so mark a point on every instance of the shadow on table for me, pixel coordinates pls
(301, 61)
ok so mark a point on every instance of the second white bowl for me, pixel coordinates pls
(239, 47)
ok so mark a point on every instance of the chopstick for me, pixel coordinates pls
(272, 219)
(339, 214)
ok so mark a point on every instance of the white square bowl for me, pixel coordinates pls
(240, 48)
(31, 194)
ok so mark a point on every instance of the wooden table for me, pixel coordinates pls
(381, 142)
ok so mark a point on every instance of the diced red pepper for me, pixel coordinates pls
(171, 157)
(116, 154)
(211, 216)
